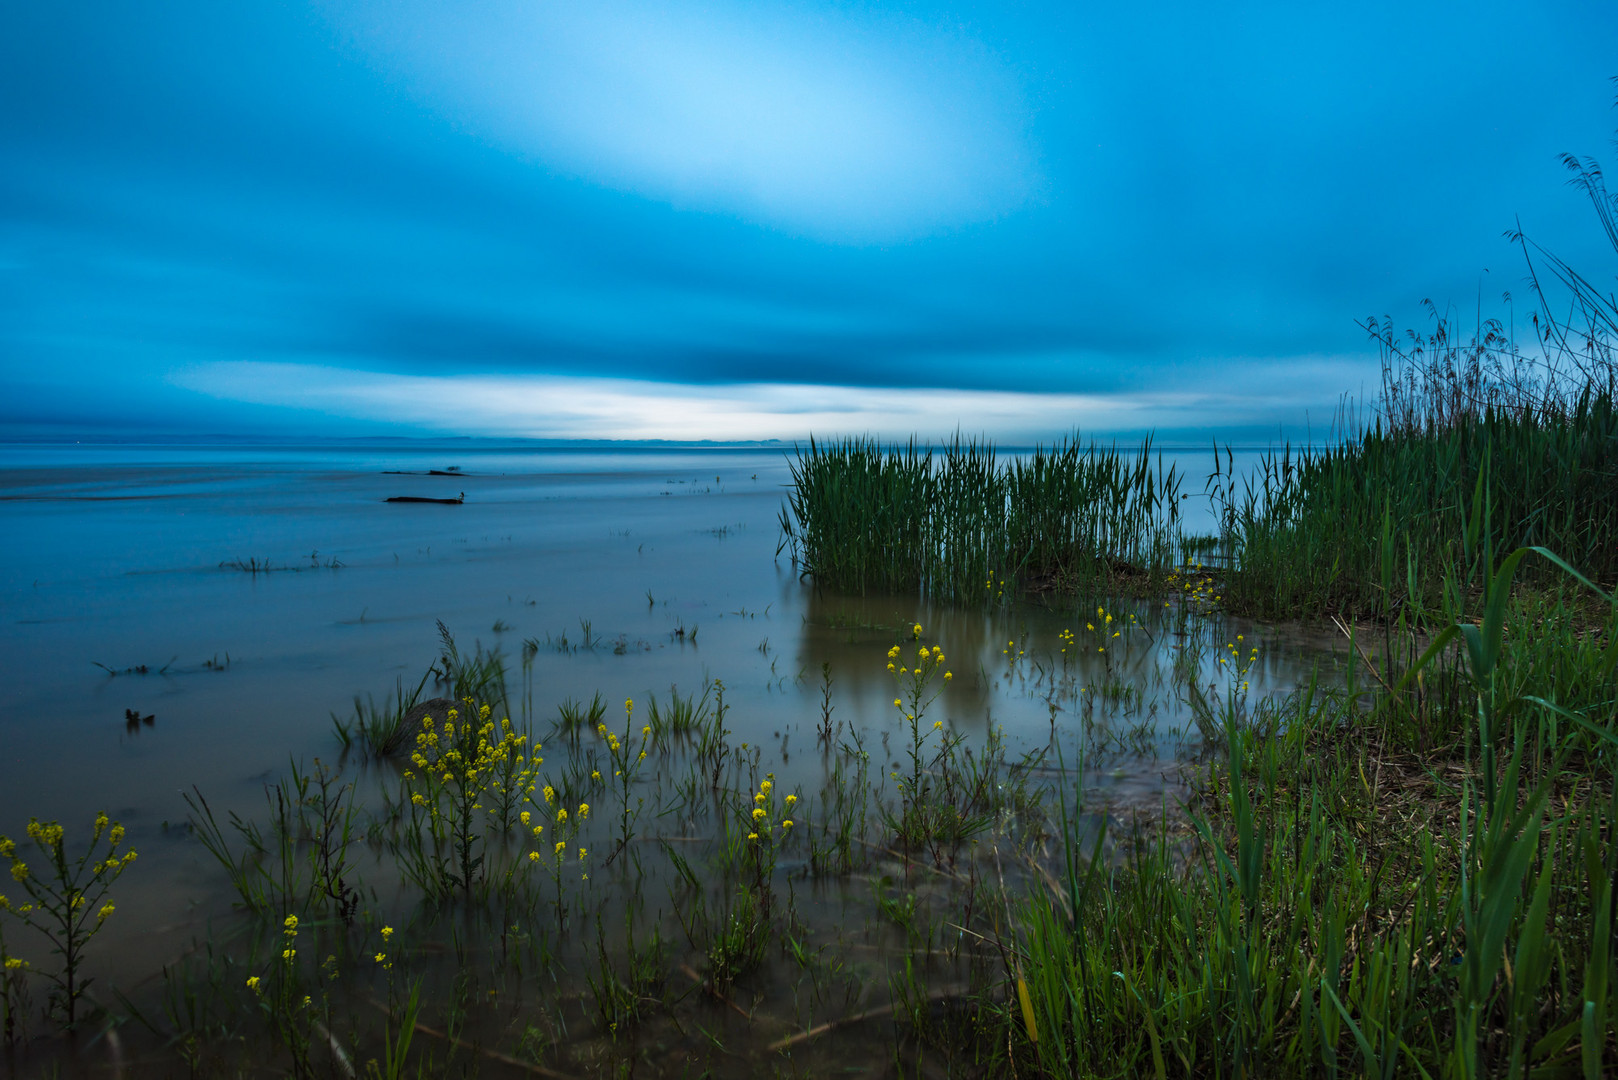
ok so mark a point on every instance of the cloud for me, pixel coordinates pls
(574, 407)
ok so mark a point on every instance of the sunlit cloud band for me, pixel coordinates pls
(572, 407)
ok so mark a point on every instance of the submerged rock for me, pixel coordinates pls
(438, 708)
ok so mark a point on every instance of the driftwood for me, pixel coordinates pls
(458, 500)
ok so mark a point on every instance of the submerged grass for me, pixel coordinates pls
(1349, 893)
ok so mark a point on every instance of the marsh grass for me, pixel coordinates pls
(253, 565)
(956, 523)
(680, 717)
(574, 716)
(1400, 521)
(1478, 446)
(1334, 920)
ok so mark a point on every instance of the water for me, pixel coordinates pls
(125, 594)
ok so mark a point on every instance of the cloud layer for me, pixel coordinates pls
(1168, 215)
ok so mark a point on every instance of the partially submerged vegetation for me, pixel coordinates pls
(1413, 875)
(959, 523)
(589, 895)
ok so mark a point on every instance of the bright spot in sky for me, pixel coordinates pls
(875, 129)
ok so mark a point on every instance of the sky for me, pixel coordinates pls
(754, 220)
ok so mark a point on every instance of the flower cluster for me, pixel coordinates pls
(1106, 629)
(290, 952)
(565, 827)
(765, 815)
(468, 775)
(628, 753)
(1195, 587)
(382, 954)
(917, 690)
(479, 758)
(915, 679)
(1239, 665)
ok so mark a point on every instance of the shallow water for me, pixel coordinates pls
(121, 572)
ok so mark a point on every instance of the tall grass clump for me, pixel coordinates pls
(1479, 446)
(1413, 517)
(955, 522)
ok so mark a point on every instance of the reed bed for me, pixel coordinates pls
(1401, 518)
(1479, 446)
(962, 522)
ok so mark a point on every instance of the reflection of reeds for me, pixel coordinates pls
(867, 518)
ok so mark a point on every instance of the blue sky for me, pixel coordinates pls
(755, 220)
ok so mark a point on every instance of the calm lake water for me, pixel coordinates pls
(123, 592)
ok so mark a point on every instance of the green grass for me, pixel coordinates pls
(961, 522)
(1411, 520)
(1339, 920)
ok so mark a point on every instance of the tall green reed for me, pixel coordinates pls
(951, 523)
